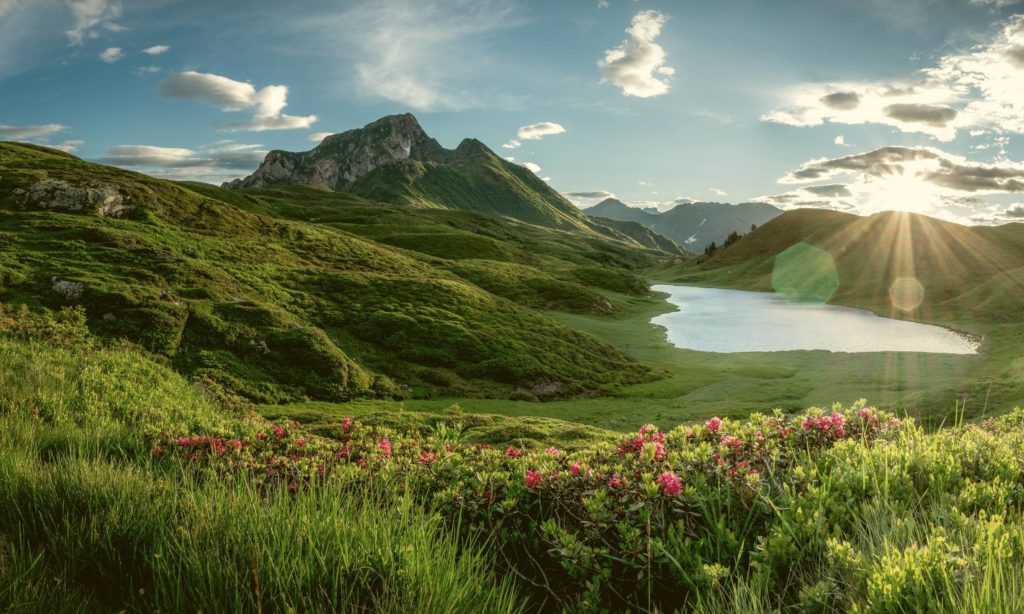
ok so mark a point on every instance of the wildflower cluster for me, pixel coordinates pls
(559, 509)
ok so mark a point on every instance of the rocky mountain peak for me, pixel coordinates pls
(340, 159)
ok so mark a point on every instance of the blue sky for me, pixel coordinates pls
(857, 105)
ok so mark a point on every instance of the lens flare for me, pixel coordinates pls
(906, 293)
(805, 273)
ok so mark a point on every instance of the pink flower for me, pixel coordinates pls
(427, 457)
(729, 440)
(552, 451)
(385, 446)
(713, 425)
(807, 423)
(346, 424)
(183, 441)
(158, 451)
(670, 483)
(513, 452)
(659, 451)
(300, 442)
(864, 413)
(533, 478)
(278, 431)
(616, 481)
(261, 436)
(576, 467)
(234, 443)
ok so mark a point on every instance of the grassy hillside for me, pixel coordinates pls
(124, 487)
(258, 293)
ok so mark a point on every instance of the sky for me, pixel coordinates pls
(855, 105)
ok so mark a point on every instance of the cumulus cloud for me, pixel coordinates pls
(637, 66)
(40, 135)
(840, 140)
(718, 192)
(112, 54)
(920, 179)
(20, 133)
(601, 194)
(533, 167)
(843, 101)
(980, 88)
(214, 163)
(539, 130)
(90, 16)
(156, 49)
(511, 144)
(316, 137)
(230, 95)
(930, 115)
(1015, 212)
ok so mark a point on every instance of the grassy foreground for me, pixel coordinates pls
(123, 486)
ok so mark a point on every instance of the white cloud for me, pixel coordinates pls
(39, 135)
(146, 70)
(425, 54)
(316, 137)
(918, 179)
(512, 144)
(230, 95)
(215, 163)
(637, 66)
(156, 49)
(602, 4)
(68, 146)
(540, 130)
(112, 54)
(19, 133)
(510, 158)
(533, 167)
(718, 192)
(6, 6)
(981, 88)
(90, 16)
(840, 140)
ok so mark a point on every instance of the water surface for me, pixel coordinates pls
(716, 320)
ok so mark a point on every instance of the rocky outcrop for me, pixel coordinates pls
(90, 197)
(340, 159)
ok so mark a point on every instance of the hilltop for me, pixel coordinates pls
(692, 225)
(290, 293)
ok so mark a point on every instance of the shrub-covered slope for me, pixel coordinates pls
(282, 309)
(123, 487)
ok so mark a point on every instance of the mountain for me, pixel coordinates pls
(693, 225)
(291, 292)
(392, 160)
(897, 264)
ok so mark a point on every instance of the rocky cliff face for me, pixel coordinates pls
(340, 159)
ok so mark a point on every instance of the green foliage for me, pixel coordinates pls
(246, 290)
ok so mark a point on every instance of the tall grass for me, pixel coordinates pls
(89, 522)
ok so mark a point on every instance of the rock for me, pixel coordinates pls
(70, 290)
(341, 159)
(92, 197)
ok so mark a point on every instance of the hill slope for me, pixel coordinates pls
(235, 287)
(965, 273)
(693, 225)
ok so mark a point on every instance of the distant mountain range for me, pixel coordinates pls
(693, 225)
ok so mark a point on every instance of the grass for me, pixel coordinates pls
(244, 288)
(697, 385)
(89, 522)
